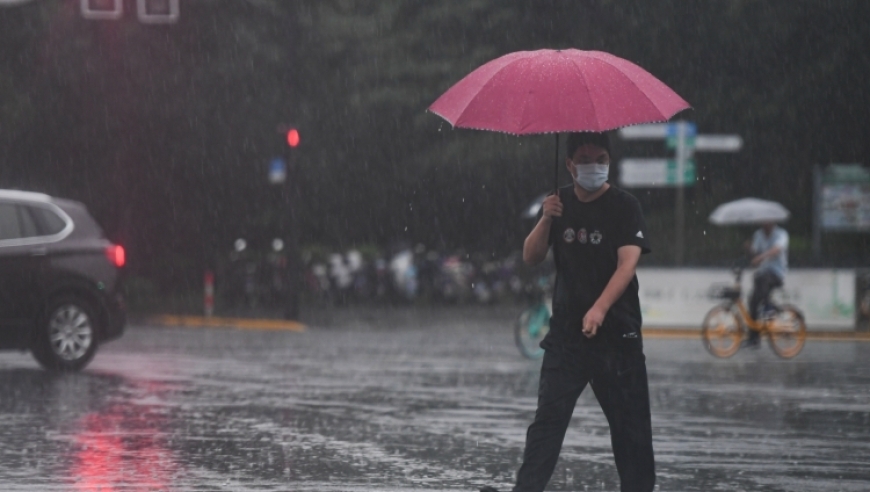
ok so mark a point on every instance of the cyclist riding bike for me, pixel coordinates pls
(769, 249)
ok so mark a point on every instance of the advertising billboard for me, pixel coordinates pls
(845, 198)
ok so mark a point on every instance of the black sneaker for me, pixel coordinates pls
(488, 489)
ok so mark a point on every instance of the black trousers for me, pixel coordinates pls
(763, 285)
(619, 381)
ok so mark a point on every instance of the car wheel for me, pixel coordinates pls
(67, 336)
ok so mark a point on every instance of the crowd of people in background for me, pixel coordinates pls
(404, 275)
(419, 275)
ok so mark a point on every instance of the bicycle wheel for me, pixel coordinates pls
(722, 331)
(787, 331)
(531, 327)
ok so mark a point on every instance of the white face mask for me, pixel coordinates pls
(591, 177)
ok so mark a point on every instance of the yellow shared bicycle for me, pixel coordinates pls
(726, 324)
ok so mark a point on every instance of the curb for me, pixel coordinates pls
(237, 323)
(295, 326)
(829, 336)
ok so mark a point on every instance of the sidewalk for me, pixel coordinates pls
(217, 322)
(373, 316)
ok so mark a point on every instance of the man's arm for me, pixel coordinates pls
(780, 244)
(759, 258)
(626, 265)
(537, 243)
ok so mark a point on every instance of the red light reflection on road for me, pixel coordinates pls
(123, 445)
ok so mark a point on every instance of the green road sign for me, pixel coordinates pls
(688, 172)
(846, 173)
(654, 173)
(671, 142)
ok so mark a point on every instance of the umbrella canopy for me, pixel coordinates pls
(551, 91)
(749, 211)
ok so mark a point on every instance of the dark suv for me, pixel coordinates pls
(60, 293)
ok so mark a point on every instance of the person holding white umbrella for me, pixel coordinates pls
(768, 247)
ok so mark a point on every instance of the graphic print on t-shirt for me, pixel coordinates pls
(595, 237)
(586, 240)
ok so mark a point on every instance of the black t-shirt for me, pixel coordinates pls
(585, 240)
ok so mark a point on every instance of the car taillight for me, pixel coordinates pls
(116, 256)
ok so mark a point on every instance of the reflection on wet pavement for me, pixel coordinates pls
(439, 402)
(125, 443)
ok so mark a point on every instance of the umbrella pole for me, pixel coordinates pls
(556, 168)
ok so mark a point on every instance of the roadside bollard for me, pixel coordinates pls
(208, 291)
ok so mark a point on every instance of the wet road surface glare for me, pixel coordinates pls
(400, 400)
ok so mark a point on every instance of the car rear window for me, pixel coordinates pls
(19, 221)
(10, 228)
(49, 221)
(28, 224)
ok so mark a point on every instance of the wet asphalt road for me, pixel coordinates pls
(411, 400)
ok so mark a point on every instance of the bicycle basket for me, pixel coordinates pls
(723, 291)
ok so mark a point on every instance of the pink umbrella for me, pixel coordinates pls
(552, 91)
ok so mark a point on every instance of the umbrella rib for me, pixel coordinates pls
(643, 92)
(488, 83)
(585, 83)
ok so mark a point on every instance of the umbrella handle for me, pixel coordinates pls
(556, 168)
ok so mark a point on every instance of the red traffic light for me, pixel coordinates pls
(293, 137)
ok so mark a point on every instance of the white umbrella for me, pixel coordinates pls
(749, 211)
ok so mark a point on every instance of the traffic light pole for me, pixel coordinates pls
(291, 199)
(294, 273)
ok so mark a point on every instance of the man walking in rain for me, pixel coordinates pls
(597, 233)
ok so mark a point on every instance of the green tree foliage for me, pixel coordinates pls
(166, 131)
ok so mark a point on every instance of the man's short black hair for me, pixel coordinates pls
(579, 139)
